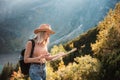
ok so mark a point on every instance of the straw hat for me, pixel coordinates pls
(44, 27)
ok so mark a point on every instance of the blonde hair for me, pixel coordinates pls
(40, 38)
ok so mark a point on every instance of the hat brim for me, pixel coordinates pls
(39, 30)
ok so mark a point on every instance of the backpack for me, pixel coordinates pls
(25, 66)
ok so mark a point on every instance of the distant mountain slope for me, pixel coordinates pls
(82, 43)
(5, 40)
(104, 38)
(84, 40)
(19, 18)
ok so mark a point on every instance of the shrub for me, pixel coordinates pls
(85, 68)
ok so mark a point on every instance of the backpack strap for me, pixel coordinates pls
(33, 45)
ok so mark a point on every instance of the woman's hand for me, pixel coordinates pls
(41, 59)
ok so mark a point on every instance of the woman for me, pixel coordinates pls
(40, 55)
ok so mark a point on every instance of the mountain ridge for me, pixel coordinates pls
(17, 22)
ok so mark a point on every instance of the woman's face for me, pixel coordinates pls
(47, 35)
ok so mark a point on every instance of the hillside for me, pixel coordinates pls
(82, 43)
(19, 18)
(97, 57)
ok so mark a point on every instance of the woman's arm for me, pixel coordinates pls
(27, 58)
(54, 57)
(60, 54)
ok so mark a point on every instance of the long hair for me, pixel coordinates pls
(40, 38)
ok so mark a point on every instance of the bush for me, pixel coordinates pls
(85, 68)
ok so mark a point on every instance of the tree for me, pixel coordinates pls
(107, 46)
